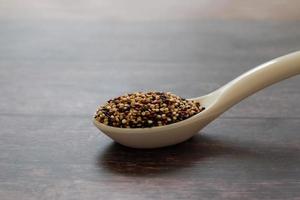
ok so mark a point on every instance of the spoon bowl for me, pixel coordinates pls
(215, 104)
(161, 136)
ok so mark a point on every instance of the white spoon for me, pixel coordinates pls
(215, 104)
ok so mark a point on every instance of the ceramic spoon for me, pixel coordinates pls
(215, 104)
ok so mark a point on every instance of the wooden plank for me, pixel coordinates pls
(66, 158)
(75, 68)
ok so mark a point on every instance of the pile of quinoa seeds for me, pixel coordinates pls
(144, 110)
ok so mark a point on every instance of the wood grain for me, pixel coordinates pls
(59, 60)
(65, 158)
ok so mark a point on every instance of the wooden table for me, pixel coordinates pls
(60, 59)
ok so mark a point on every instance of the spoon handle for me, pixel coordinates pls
(258, 78)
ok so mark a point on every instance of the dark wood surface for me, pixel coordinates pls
(59, 60)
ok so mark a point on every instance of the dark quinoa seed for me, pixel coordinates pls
(146, 110)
